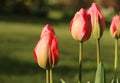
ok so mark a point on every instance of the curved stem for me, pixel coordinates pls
(48, 75)
(116, 57)
(98, 51)
(80, 61)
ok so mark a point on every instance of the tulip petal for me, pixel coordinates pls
(71, 22)
(35, 55)
(54, 51)
(42, 51)
(97, 11)
(47, 28)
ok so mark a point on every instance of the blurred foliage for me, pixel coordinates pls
(111, 3)
(23, 7)
(41, 8)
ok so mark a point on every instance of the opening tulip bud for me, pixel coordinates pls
(98, 23)
(80, 26)
(46, 51)
(115, 27)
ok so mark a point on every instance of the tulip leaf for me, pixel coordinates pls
(62, 81)
(115, 80)
(100, 74)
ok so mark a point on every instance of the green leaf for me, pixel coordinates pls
(115, 80)
(100, 74)
(62, 81)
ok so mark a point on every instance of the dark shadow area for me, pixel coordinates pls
(15, 67)
(107, 24)
(39, 20)
(32, 20)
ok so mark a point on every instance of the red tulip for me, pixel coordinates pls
(98, 23)
(46, 51)
(115, 27)
(80, 26)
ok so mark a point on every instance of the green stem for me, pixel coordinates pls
(80, 61)
(98, 51)
(48, 75)
(51, 76)
(116, 57)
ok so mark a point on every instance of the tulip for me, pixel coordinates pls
(46, 51)
(98, 26)
(80, 26)
(115, 27)
(115, 32)
(98, 23)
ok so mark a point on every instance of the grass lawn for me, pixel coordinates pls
(18, 39)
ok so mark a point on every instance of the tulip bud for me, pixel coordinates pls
(46, 51)
(80, 26)
(98, 24)
(47, 29)
(115, 27)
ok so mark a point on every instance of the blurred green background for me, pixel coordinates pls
(21, 22)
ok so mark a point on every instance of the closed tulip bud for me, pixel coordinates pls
(46, 51)
(98, 23)
(115, 27)
(80, 26)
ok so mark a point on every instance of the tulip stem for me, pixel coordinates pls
(116, 57)
(48, 75)
(98, 52)
(80, 61)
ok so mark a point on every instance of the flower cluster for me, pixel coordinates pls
(83, 24)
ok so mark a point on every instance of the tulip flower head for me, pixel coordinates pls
(46, 51)
(98, 23)
(115, 27)
(80, 26)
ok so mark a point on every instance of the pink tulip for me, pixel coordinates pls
(98, 23)
(80, 26)
(115, 27)
(46, 51)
